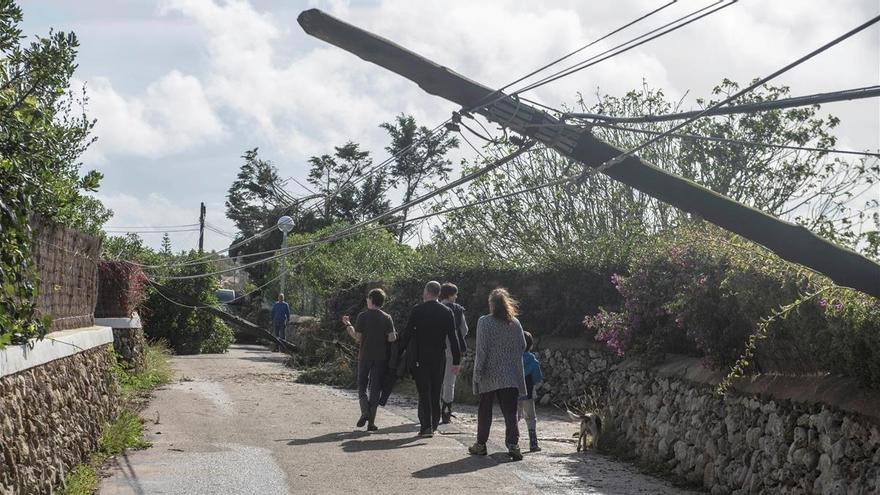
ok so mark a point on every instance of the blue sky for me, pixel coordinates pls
(181, 88)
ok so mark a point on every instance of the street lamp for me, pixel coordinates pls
(285, 225)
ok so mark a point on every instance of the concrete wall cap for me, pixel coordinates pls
(56, 345)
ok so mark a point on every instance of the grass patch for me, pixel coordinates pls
(127, 430)
(83, 480)
(157, 371)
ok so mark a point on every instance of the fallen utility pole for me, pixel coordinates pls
(791, 242)
(233, 320)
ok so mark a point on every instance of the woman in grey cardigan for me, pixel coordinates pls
(498, 370)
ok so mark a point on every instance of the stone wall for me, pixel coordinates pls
(779, 434)
(52, 418)
(740, 443)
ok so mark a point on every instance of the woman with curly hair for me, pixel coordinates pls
(498, 370)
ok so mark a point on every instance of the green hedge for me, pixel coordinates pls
(707, 293)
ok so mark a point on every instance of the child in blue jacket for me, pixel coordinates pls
(534, 377)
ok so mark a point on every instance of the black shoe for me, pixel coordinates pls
(446, 413)
(426, 433)
(372, 419)
(514, 452)
(533, 441)
(362, 421)
(478, 449)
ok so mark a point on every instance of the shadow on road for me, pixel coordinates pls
(464, 465)
(380, 444)
(342, 436)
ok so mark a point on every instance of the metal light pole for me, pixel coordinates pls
(285, 225)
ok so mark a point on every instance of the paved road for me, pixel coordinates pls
(239, 423)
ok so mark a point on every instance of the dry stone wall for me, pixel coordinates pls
(738, 443)
(52, 417)
(743, 444)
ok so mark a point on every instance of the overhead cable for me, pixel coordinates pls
(758, 106)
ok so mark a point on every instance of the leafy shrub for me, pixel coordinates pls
(121, 288)
(706, 293)
(187, 330)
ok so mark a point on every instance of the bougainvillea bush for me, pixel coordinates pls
(121, 288)
(703, 292)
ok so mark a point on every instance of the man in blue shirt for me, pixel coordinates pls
(280, 316)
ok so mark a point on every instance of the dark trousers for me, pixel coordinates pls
(370, 373)
(429, 382)
(507, 398)
(279, 327)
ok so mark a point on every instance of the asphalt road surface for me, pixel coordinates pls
(239, 423)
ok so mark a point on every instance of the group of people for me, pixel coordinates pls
(430, 348)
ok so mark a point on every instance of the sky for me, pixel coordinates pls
(182, 88)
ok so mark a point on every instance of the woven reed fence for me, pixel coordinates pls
(67, 263)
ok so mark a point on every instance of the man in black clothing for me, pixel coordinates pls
(432, 325)
(373, 328)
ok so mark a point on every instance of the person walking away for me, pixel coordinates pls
(373, 328)
(280, 317)
(498, 370)
(448, 295)
(431, 326)
(534, 377)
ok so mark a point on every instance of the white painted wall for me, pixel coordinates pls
(56, 345)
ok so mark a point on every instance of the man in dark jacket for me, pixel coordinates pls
(448, 295)
(431, 325)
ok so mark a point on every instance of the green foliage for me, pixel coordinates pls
(156, 371)
(602, 220)
(367, 257)
(126, 432)
(707, 293)
(420, 158)
(41, 139)
(81, 480)
(332, 177)
(187, 330)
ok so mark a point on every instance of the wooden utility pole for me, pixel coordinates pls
(201, 228)
(791, 242)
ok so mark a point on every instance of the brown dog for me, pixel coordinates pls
(591, 424)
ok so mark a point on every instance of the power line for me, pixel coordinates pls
(760, 106)
(315, 208)
(757, 83)
(738, 141)
(150, 227)
(649, 36)
(167, 231)
(574, 52)
(356, 227)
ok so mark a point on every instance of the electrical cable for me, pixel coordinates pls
(759, 106)
(757, 83)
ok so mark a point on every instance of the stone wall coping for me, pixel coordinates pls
(837, 391)
(56, 345)
(133, 322)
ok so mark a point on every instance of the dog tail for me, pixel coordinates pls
(573, 416)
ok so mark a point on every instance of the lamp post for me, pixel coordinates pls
(285, 225)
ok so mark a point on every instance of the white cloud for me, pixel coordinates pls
(154, 209)
(171, 115)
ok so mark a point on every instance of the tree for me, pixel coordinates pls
(255, 201)
(335, 176)
(602, 219)
(166, 245)
(43, 132)
(187, 330)
(420, 158)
